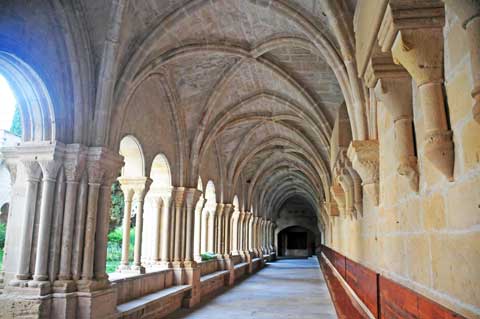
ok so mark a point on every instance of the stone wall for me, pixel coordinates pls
(427, 241)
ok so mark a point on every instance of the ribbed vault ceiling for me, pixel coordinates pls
(251, 79)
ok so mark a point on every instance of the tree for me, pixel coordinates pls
(16, 127)
(116, 211)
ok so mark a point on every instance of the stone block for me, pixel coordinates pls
(418, 259)
(463, 204)
(455, 260)
(434, 212)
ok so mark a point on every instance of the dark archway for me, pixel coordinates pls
(296, 241)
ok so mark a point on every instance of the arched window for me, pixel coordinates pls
(208, 230)
(124, 207)
(156, 205)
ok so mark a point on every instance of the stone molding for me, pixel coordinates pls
(364, 156)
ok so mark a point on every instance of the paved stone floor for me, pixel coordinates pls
(288, 288)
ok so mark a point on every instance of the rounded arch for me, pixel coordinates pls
(160, 173)
(210, 196)
(131, 150)
(236, 203)
(34, 101)
(200, 184)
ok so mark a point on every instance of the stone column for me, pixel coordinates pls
(199, 224)
(166, 236)
(219, 228)
(158, 204)
(32, 172)
(95, 177)
(415, 38)
(393, 87)
(178, 200)
(79, 231)
(227, 241)
(204, 230)
(140, 191)
(211, 246)
(191, 198)
(103, 219)
(74, 166)
(127, 215)
(49, 169)
(251, 233)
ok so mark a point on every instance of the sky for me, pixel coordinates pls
(7, 104)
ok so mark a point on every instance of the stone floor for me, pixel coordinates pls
(288, 288)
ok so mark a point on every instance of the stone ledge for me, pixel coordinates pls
(142, 302)
(214, 275)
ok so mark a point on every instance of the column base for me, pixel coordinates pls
(97, 304)
(91, 285)
(64, 286)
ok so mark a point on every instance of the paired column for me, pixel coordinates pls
(178, 196)
(32, 171)
(140, 191)
(127, 215)
(219, 228)
(200, 223)
(227, 241)
(49, 170)
(191, 198)
(74, 166)
(166, 235)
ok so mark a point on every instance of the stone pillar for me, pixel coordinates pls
(139, 199)
(49, 169)
(199, 224)
(219, 228)
(191, 198)
(415, 38)
(127, 215)
(102, 166)
(204, 230)
(103, 219)
(158, 204)
(178, 195)
(166, 236)
(212, 230)
(79, 231)
(74, 166)
(32, 172)
(227, 215)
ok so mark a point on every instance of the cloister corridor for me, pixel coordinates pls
(287, 288)
(239, 159)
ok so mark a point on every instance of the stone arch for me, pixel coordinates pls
(131, 150)
(156, 205)
(34, 101)
(207, 232)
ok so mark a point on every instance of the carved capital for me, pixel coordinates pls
(228, 209)
(102, 165)
(50, 169)
(178, 196)
(32, 170)
(192, 195)
(338, 195)
(364, 156)
(75, 162)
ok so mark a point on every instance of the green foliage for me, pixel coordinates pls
(16, 127)
(3, 231)
(115, 236)
(114, 248)
(116, 211)
(1, 259)
(208, 256)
